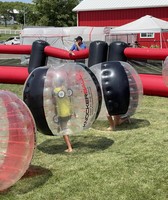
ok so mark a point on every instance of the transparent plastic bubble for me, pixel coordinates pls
(135, 86)
(73, 104)
(165, 71)
(17, 135)
(70, 98)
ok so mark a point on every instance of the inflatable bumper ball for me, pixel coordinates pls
(165, 71)
(63, 99)
(17, 139)
(121, 87)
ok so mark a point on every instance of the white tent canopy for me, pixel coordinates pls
(63, 37)
(146, 24)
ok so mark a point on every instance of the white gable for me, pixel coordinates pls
(88, 5)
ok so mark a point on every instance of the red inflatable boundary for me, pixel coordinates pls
(18, 75)
(153, 85)
(48, 50)
(13, 74)
(146, 53)
(63, 54)
(15, 49)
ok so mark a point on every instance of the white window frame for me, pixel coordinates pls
(147, 35)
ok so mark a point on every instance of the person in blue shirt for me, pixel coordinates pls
(77, 46)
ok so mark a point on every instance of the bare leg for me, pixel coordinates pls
(111, 122)
(66, 136)
(116, 120)
(68, 143)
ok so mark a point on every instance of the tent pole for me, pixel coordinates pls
(161, 40)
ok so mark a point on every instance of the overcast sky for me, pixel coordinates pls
(24, 1)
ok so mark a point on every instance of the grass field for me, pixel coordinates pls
(6, 36)
(130, 163)
(10, 62)
(127, 164)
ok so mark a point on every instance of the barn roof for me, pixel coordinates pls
(89, 5)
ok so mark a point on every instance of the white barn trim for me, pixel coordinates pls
(90, 5)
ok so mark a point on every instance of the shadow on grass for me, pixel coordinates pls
(81, 144)
(34, 177)
(135, 124)
(34, 171)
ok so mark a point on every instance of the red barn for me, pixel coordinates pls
(119, 12)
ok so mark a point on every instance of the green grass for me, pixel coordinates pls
(13, 26)
(10, 62)
(130, 163)
(6, 36)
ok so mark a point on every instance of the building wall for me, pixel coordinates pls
(118, 17)
(155, 42)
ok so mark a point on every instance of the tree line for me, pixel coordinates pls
(57, 13)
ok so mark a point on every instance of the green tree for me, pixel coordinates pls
(23, 13)
(6, 12)
(56, 13)
(27, 14)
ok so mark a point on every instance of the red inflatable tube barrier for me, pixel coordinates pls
(13, 74)
(49, 51)
(15, 49)
(154, 85)
(63, 54)
(146, 53)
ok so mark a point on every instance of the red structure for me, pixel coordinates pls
(15, 49)
(18, 75)
(152, 84)
(146, 53)
(14, 74)
(63, 54)
(117, 16)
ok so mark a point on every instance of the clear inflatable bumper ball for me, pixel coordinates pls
(17, 139)
(63, 99)
(121, 87)
(165, 71)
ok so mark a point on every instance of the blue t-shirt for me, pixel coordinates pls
(75, 48)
